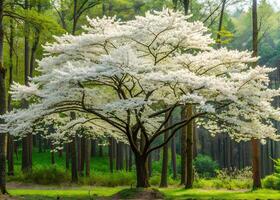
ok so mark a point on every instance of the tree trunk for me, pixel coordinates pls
(111, 158)
(186, 6)
(164, 169)
(173, 157)
(3, 106)
(93, 148)
(189, 150)
(183, 146)
(100, 149)
(83, 154)
(52, 155)
(142, 171)
(67, 155)
(10, 137)
(150, 166)
(219, 42)
(87, 156)
(74, 169)
(79, 151)
(130, 159)
(74, 164)
(255, 142)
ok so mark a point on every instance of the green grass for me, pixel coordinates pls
(75, 193)
(83, 193)
(180, 194)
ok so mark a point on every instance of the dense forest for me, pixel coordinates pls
(109, 94)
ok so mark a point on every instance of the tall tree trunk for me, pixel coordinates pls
(100, 149)
(255, 142)
(27, 141)
(219, 42)
(173, 157)
(164, 169)
(74, 164)
(175, 4)
(189, 150)
(130, 159)
(173, 152)
(52, 155)
(74, 168)
(87, 156)
(83, 154)
(93, 148)
(35, 45)
(150, 165)
(183, 146)
(79, 154)
(186, 6)
(10, 137)
(67, 155)
(111, 157)
(3, 106)
(74, 26)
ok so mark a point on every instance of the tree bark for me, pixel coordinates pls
(10, 155)
(74, 169)
(186, 6)
(255, 142)
(74, 160)
(3, 106)
(52, 155)
(142, 171)
(164, 169)
(219, 42)
(67, 156)
(111, 157)
(130, 159)
(189, 150)
(87, 156)
(173, 157)
(183, 146)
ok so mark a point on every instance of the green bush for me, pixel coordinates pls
(229, 184)
(205, 166)
(47, 175)
(119, 178)
(155, 180)
(271, 182)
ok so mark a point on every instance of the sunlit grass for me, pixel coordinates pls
(179, 193)
(73, 193)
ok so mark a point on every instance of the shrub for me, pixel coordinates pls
(47, 175)
(205, 166)
(271, 182)
(119, 178)
(229, 184)
(234, 173)
(155, 180)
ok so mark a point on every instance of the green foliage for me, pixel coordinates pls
(155, 180)
(182, 194)
(234, 173)
(273, 181)
(205, 166)
(47, 175)
(119, 178)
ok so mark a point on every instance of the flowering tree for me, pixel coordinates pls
(126, 79)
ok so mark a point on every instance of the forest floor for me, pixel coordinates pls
(37, 192)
